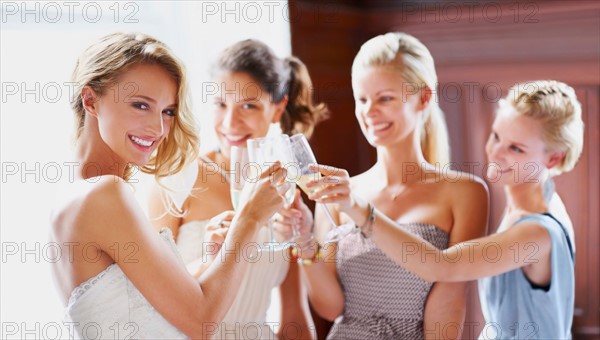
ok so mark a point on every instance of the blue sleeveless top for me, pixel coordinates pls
(514, 308)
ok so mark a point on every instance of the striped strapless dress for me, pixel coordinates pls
(382, 299)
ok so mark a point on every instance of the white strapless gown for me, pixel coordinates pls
(109, 306)
(246, 319)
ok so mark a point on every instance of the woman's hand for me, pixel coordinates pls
(261, 199)
(216, 231)
(297, 216)
(332, 188)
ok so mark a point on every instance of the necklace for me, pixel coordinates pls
(398, 192)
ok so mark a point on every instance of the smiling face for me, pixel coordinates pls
(517, 150)
(135, 114)
(387, 107)
(242, 110)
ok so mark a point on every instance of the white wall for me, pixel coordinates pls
(39, 43)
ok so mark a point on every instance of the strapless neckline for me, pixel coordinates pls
(86, 285)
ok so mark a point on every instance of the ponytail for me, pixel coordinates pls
(434, 135)
(301, 113)
(280, 78)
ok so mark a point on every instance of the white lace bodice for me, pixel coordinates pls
(109, 306)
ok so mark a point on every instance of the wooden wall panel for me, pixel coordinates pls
(328, 49)
(562, 43)
(580, 190)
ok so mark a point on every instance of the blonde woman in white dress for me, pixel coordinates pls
(120, 278)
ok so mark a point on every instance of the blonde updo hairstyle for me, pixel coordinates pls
(555, 105)
(407, 55)
(100, 67)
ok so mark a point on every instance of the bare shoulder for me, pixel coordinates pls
(464, 185)
(99, 202)
(466, 198)
(108, 192)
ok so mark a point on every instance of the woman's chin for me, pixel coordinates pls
(377, 141)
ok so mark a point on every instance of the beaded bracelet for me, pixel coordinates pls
(306, 262)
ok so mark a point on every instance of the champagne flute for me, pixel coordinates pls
(264, 152)
(305, 157)
(238, 167)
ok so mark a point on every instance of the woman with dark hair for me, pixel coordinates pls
(256, 89)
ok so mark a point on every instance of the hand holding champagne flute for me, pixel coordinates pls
(263, 152)
(308, 180)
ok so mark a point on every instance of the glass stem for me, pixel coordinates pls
(271, 233)
(328, 213)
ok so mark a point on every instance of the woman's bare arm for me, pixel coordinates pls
(111, 217)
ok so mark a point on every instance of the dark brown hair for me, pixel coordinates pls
(279, 77)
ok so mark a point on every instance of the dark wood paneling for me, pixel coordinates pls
(548, 40)
(327, 49)
(580, 190)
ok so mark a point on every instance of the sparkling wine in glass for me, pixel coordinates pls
(304, 157)
(238, 166)
(263, 152)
